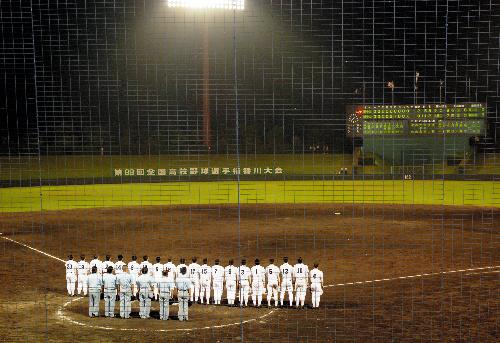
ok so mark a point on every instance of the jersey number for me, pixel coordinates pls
(299, 270)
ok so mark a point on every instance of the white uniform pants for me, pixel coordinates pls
(272, 292)
(195, 290)
(231, 292)
(286, 286)
(316, 292)
(244, 290)
(301, 290)
(82, 284)
(205, 291)
(134, 285)
(218, 287)
(257, 290)
(71, 283)
(155, 288)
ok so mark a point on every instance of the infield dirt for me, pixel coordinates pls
(364, 242)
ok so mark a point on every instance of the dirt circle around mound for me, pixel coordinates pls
(203, 317)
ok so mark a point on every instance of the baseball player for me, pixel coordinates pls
(218, 281)
(258, 281)
(124, 281)
(147, 264)
(244, 277)
(183, 283)
(157, 274)
(145, 284)
(286, 271)
(301, 275)
(96, 262)
(194, 275)
(205, 281)
(119, 265)
(94, 284)
(109, 283)
(165, 287)
(170, 268)
(107, 263)
(83, 272)
(182, 263)
(316, 276)
(71, 268)
(231, 276)
(134, 268)
(273, 284)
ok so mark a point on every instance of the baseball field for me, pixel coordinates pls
(412, 260)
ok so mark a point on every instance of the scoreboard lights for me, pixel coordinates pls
(458, 119)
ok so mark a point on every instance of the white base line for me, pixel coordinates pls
(413, 276)
(27, 246)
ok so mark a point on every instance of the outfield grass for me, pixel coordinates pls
(476, 193)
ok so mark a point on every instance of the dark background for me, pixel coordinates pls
(125, 77)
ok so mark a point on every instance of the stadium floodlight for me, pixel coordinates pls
(234, 5)
(209, 4)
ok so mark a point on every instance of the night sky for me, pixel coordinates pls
(126, 76)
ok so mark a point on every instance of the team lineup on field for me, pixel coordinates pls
(189, 283)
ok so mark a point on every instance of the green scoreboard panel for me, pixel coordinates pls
(466, 119)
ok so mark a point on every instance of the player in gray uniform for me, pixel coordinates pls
(94, 285)
(124, 280)
(165, 287)
(109, 282)
(183, 283)
(145, 285)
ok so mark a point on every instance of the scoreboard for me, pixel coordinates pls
(467, 119)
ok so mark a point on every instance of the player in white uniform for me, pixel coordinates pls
(83, 272)
(194, 275)
(286, 271)
(145, 284)
(96, 262)
(124, 280)
(244, 278)
(316, 277)
(109, 283)
(182, 263)
(134, 268)
(157, 275)
(71, 268)
(205, 281)
(301, 275)
(231, 276)
(107, 263)
(258, 283)
(217, 281)
(147, 264)
(170, 268)
(119, 265)
(273, 283)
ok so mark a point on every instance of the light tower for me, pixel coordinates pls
(234, 5)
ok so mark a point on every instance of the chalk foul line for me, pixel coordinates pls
(34, 249)
(412, 276)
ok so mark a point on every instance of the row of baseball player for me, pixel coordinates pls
(283, 279)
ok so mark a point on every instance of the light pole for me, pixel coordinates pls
(207, 5)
